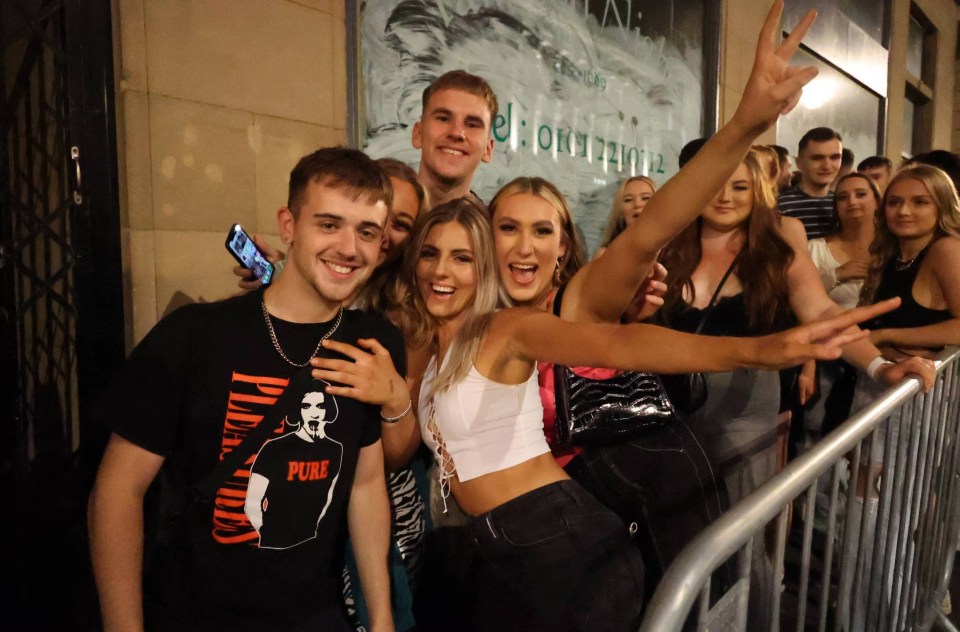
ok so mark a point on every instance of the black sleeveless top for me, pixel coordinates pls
(896, 282)
(727, 318)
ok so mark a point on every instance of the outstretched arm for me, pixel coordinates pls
(525, 335)
(115, 516)
(810, 302)
(602, 291)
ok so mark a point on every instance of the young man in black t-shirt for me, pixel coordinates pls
(204, 379)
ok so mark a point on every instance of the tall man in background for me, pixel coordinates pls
(454, 134)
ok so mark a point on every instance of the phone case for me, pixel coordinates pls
(241, 246)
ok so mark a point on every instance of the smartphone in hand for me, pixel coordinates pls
(241, 246)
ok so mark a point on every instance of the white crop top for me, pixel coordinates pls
(486, 426)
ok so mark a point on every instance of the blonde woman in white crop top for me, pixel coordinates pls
(480, 412)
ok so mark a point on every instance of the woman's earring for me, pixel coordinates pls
(556, 272)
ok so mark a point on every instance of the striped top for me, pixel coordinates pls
(816, 213)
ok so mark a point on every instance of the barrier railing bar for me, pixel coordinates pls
(778, 574)
(831, 536)
(949, 481)
(950, 490)
(900, 508)
(866, 549)
(948, 529)
(947, 493)
(925, 532)
(907, 602)
(886, 538)
(746, 566)
(902, 517)
(808, 515)
(846, 574)
(705, 599)
(680, 585)
(921, 546)
(931, 531)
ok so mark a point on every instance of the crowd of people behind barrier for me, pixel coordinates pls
(518, 453)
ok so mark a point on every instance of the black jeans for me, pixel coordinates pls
(661, 484)
(554, 559)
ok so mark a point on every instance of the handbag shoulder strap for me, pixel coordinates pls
(557, 299)
(716, 295)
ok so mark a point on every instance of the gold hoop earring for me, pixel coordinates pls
(556, 272)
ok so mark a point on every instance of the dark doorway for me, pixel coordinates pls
(61, 302)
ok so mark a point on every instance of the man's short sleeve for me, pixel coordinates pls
(143, 401)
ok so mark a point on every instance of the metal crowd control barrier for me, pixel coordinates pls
(894, 561)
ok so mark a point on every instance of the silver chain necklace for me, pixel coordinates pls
(276, 343)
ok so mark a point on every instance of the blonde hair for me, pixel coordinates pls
(771, 153)
(417, 324)
(886, 245)
(616, 223)
(575, 258)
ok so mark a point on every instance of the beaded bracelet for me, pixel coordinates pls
(393, 420)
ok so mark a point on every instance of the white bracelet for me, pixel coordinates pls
(393, 420)
(875, 365)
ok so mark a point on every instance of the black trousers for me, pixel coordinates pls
(554, 559)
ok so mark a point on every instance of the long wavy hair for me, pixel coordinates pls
(616, 223)
(885, 244)
(417, 324)
(761, 265)
(574, 259)
(377, 295)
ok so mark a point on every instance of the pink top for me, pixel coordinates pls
(563, 454)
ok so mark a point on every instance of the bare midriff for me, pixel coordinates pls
(480, 495)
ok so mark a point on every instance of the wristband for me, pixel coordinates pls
(393, 420)
(875, 365)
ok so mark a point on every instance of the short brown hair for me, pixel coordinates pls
(465, 82)
(350, 170)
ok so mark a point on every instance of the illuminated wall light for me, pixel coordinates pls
(816, 93)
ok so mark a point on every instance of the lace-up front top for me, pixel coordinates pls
(478, 426)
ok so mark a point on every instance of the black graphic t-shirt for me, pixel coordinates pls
(269, 545)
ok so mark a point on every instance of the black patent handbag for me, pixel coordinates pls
(592, 411)
(605, 411)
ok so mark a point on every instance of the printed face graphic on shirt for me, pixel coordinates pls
(293, 478)
(313, 413)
